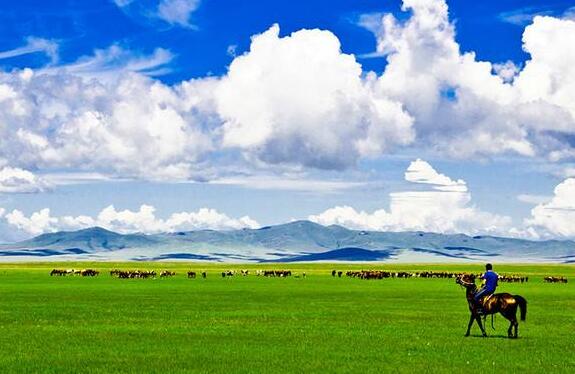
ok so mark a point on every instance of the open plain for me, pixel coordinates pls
(253, 323)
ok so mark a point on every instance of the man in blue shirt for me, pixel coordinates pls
(490, 278)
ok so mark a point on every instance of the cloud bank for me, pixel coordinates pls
(143, 220)
(295, 100)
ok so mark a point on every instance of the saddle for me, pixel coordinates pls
(483, 303)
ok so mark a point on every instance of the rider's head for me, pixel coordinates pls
(488, 267)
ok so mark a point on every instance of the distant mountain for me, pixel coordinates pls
(290, 242)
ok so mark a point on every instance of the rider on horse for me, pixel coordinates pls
(489, 285)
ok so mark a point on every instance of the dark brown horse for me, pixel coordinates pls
(503, 303)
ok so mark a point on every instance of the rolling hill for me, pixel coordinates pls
(290, 242)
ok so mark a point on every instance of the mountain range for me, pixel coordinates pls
(299, 241)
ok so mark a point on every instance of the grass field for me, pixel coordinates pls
(273, 325)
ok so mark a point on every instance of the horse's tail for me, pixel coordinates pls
(522, 306)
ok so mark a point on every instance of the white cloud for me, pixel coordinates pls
(130, 127)
(464, 107)
(420, 171)
(523, 16)
(298, 99)
(123, 3)
(288, 184)
(112, 62)
(506, 70)
(533, 199)
(556, 216)
(177, 12)
(15, 180)
(37, 223)
(294, 101)
(126, 221)
(446, 209)
(34, 45)
(173, 12)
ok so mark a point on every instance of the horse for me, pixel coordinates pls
(503, 303)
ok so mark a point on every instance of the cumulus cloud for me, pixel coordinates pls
(555, 217)
(465, 107)
(420, 171)
(15, 180)
(132, 126)
(446, 208)
(299, 99)
(294, 101)
(143, 220)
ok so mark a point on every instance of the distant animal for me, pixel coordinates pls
(204, 275)
(555, 280)
(333, 273)
(58, 272)
(191, 274)
(167, 273)
(503, 303)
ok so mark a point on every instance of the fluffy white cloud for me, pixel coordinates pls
(19, 180)
(446, 209)
(465, 107)
(132, 126)
(298, 99)
(292, 101)
(556, 216)
(420, 171)
(126, 221)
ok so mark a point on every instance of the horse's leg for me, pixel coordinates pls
(512, 322)
(471, 319)
(478, 319)
(511, 315)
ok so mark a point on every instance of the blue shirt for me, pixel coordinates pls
(490, 280)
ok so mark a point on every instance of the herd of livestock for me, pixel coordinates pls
(361, 274)
(555, 280)
(380, 274)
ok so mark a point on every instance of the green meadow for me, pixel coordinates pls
(253, 324)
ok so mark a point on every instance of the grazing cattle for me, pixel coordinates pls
(89, 272)
(191, 274)
(277, 273)
(512, 278)
(333, 273)
(339, 274)
(132, 274)
(204, 274)
(555, 280)
(167, 273)
(83, 272)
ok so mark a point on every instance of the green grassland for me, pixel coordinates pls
(273, 325)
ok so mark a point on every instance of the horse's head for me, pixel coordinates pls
(466, 280)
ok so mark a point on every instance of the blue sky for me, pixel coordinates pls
(391, 115)
(82, 26)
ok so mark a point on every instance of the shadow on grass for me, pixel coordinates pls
(492, 337)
